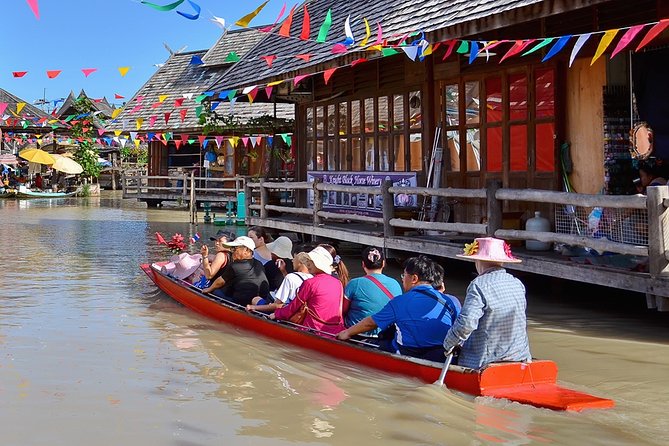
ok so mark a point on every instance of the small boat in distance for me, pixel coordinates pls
(532, 383)
(6, 192)
(24, 192)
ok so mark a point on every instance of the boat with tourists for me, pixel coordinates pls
(24, 192)
(532, 383)
(6, 192)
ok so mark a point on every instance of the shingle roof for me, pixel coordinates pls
(397, 17)
(181, 80)
(101, 105)
(29, 111)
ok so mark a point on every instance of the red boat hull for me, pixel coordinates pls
(533, 383)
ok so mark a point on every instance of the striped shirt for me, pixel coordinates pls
(492, 326)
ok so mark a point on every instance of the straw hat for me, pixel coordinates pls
(242, 241)
(322, 259)
(282, 247)
(489, 249)
(182, 266)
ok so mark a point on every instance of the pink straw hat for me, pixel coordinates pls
(489, 249)
(183, 266)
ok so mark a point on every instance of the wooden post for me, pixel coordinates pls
(318, 201)
(113, 172)
(658, 231)
(264, 200)
(184, 186)
(248, 201)
(123, 182)
(493, 206)
(388, 208)
(193, 205)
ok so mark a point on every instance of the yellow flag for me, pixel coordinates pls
(271, 84)
(140, 121)
(607, 38)
(136, 141)
(19, 106)
(39, 141)
(123, 71)
(116, 112)
(118, 132)
(244, 21)
(427, 50)
(375, 48)
(234, 140)
(162, 97)
(368, 33)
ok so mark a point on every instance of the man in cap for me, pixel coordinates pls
(245, 278)
(492, 326)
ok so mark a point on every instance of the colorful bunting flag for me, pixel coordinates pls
(269, 60)
(196, 8)
(19, 73)
(562, 41)
(607, 38)
(244, 21)
(218, 21)
(178, 102)
(626, 39)
(304, 57)
(152, 120)
(350, 40)
(196, 60)
(139, 123)
(269, 28)
(52, 74)
(34, 6)
(577, 47)
(306, 26)
(325, 27)
(182, 113)
(163, 8)
(299, 78)
(123, 71)
(167, 117)
(19, 107)
(88, 71)
(285, 26)
(517, 48)
(327, 74)
(368, 33)
(162, 97)
(232, 57)
(653, 33)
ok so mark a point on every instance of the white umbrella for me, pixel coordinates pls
(66, 165)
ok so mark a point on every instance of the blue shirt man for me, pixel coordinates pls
(422, 315)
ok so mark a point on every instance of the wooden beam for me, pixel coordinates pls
(448, 192)
(583, 200)
(354, 217)
(462, 228)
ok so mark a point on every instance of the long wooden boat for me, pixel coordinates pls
(533, 383)
(24, 192)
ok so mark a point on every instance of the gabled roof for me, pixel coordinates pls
(29, 111)
(101, 105)
(397, 17)
(178, 79)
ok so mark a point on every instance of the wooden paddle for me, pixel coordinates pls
(442, 376)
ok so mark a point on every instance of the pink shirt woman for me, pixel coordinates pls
(323, 295)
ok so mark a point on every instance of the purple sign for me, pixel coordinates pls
(362, 204)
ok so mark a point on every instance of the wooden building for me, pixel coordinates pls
(494, 120)
(166, 114)
(21, 124)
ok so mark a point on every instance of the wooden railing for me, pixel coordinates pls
(182, 187)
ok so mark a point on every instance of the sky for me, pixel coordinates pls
(72, 35)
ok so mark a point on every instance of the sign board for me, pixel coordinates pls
(362, 204)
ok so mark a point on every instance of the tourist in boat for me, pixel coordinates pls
(422, 315)
(260, 237)
(368, 294)
(339, 269)
(492, 326)
(281, 250)
(244, 279)
(291, 283)
(39, 182)
(213, 266)
(319, 299)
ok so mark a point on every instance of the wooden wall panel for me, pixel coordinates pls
(585, 124)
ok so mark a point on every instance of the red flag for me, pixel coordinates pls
(118, 96)
(653, 33)
(327, 74)
(269, 60)
(285, 27)
(269, 28)
(183, 113)
(52, 74)
(306, 29)
(160, 239)
(517, 48)
(167, 117)
(178, 102)
(358, 61)
(304, 57)
(19, 73)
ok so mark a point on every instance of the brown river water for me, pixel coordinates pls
(92, 353)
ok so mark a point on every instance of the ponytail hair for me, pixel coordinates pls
(338, 265)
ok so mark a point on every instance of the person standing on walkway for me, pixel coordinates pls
(492, 326)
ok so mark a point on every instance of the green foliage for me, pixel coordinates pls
(131, 152)
(85, 190)
(83, 131)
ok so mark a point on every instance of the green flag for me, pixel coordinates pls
(325, 27)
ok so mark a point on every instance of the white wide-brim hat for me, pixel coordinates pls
(489, 249)
(322, 259)
(282, 247)
(241, 241)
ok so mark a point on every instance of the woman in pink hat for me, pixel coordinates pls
(492, 326)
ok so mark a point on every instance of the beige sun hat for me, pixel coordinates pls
(489, 249)
(322, 259)
(282, 247)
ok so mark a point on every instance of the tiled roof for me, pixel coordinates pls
(29, 111)
(101, 105)
(178, 79)
(238, 41)
(397, 17)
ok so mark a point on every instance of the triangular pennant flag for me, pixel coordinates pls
(299, 78)
(350, 40)
(182, 113)
(306, 26)
(88, 71)
(214, 105)
(198, 110)
(244, 21)
(167, 117)
(450, 46)
(268, 60)
(19, 73)
(196, 8)
(133, 135)
(543, 43)
(204, 143)
(463, 48)
(327, 74)
(268, 92)
(626, 39)
(219, 141)
(245, 141)
(184, 137)
(339, 48)
(607, 38)
(52, 74)
(137, 143)
(19, 107)
(116, 112)
(139, 123)
(232, 57)
(325, 27)
(218, 21)
(234, 140)
(653, 33)
(196, 60)
(285, 26)
(258, 140)
(162, 97)
(275, 83)
(118, 96)
(101, 132)
(386, 52)
(252, 95)
(178, 143)
(368, 33)
(410, 51)
(155, 105)
(358, 61)
(200, 98)
(473, 52)
(517, 48)
(152, 120)
(34, 6)
(123, 71)
(232, 94)
(562, 41)
(178, 102)
(304, 57)
(201, 139)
